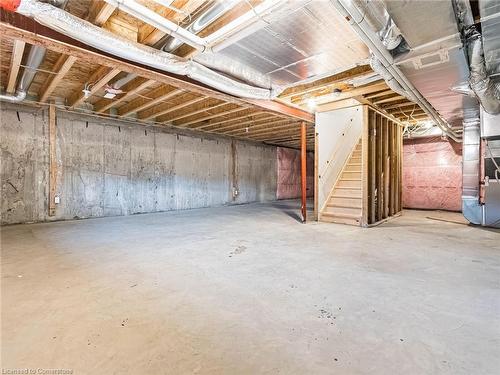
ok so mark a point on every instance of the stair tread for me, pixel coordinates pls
(337, 205)
(347, 197)
(346, 216)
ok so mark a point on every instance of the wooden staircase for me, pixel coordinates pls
(344, 204)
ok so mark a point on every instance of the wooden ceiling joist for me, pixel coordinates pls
(253, 119)
(131, 89)
(327, 81)
(357, 91)
(390, 99)
(96, 82)
(153, 113)
(15, 26)
(100, 11)
(192, 113)
(212, 124)
(258, 125)
(205, 118)
(61, 67)
(158, 95)
(15, 64)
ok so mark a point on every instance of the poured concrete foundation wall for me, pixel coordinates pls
(108, 167)
(289, 173)
(432, 174)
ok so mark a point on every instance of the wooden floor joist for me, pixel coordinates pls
(130, 89)
(15, 64)
(16, 26)
(61, 68)
(161, 94)
(154, 113)
(96, 81)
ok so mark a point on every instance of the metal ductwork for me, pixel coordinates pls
(201, 21)
(358, 19)
(484, 88)
(34, 60)
(471, 207)
(104, 40)
(205, 46)
(436, 62)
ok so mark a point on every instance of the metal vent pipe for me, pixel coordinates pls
(104, 40)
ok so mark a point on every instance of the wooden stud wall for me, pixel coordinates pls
(384, 167)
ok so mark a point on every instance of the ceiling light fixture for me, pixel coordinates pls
(311, 103)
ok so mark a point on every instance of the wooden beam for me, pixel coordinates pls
(362, 90)
(275, 106)
(192, 113)
(61, 67)
(255, 118)
(255, 126)
(283, 130)
(336, 78)
(158, 95)
(211, 124)
(15, 26)
(15, 64)
(100, 11)
(209, 117)
(372, 166)
(152, 113)
(379, 169)
(379, 94)
(387, 100)
(52, 160)
(400, 105)
(98, 79)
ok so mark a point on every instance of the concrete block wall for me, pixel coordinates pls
(109, 167)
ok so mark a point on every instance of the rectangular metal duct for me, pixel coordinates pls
(437, 62)
(490, 26)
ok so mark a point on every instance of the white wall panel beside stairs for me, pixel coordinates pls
(338, 133)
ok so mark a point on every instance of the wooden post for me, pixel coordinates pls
(303, 162)
(316, 176)
(385, 166)
(52, 160)
(380, 175)
(372, 164)
(364, 168)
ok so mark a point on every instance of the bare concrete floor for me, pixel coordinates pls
(249, 290)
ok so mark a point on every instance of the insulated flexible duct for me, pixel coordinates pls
(104, 40)
(485, 89)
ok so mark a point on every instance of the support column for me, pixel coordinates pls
(303, 162)
(52, 160)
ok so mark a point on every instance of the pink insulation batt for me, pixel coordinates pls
(432, 174)
(289, 173)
